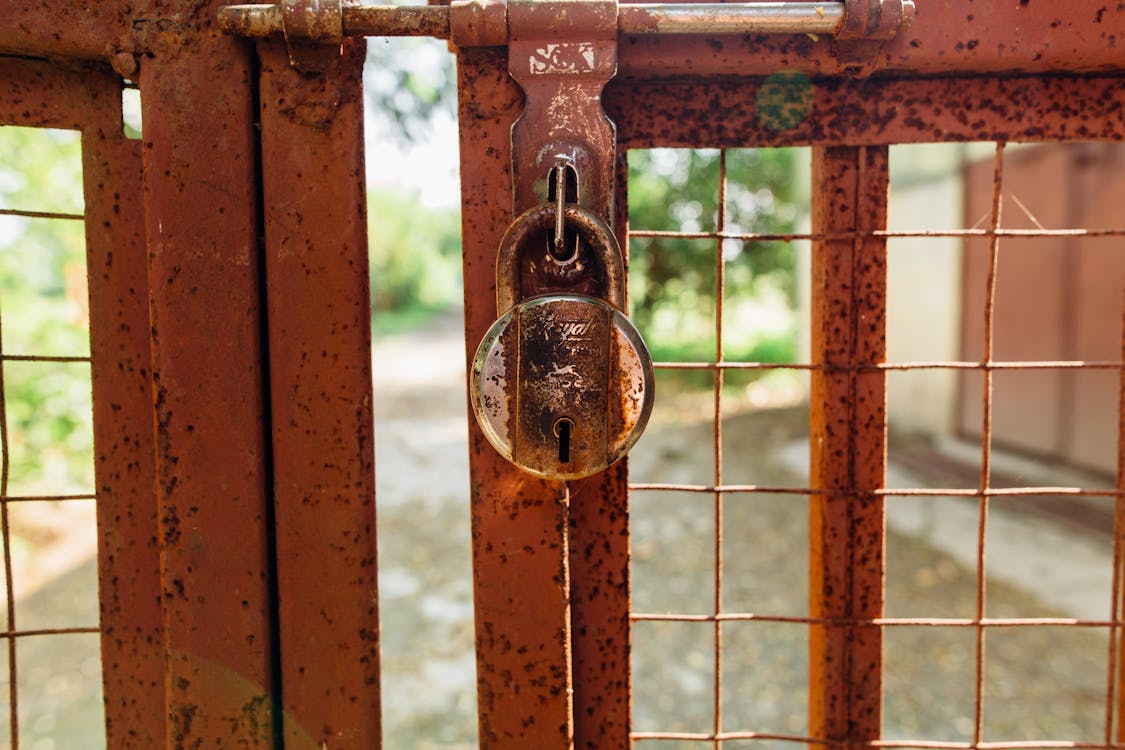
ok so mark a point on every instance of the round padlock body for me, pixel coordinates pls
(562, 385)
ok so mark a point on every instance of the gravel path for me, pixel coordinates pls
(1040, 683)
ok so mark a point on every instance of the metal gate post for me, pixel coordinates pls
(212, 460)
(1115, 711)
(599, 582)
(36, 93)
(848, 444)
(320, 385)
(519, 522)
(120, 374)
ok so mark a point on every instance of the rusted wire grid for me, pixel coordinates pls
(980, 623)
(1114, 666)
(986, 444)
(6, 530)
(905, 744)
(11, 633)
(717, 452)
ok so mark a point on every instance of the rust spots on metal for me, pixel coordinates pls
(528, 232)
(599, 589)
(850, 112)
(847, 439)
(948, 37)
(201, 187)
(316, 270)
(35, 93)
(519, 523)
(128, 551)
(563, 121)
(478, 23)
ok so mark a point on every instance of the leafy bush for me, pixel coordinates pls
(415, 259)
(43, 304)
(673, 281)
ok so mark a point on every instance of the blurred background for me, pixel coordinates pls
(1056, 299)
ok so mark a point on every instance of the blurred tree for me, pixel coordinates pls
(407, 82)
(672, 281)
(415, 258)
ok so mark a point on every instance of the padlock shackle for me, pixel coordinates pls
(591, 228)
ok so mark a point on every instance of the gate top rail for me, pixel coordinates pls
(484, 22)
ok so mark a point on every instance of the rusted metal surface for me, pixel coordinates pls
(319, 21)
(519, 522)
(876, 19)
(680, 18)
(562, 120)
(303, 21)
(947, 37)
(121, 373)
(212, 454)
(562, 385)
(1115, 677)
(478, 23)
(524, 269)
(848, 444)
(599, 586)
(38, 94)
(320, 385)
(732, 18)
(794, 110)
(314, 30)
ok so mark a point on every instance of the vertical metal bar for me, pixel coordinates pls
(212, 462)
(320, 380)
(124, 470)
(717, 449)
(848, 445)
(986, 442)
(520, 559)
(6, 530)
(1115, 701)
(599, 582)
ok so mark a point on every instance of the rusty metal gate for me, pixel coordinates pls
(230, 351)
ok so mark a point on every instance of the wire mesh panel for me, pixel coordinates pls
(989, 609)
(1026, 627)
(83, 656)
(53, 676)
(713, 273)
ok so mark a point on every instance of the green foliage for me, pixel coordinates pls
(672, 281)
(43, 304)
(415, 259)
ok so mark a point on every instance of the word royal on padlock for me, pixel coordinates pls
(562, 384)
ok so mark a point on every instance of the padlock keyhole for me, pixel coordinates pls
(564, 428)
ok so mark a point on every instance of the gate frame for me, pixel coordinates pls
(226, 350)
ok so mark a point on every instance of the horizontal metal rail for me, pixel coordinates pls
(688, 18)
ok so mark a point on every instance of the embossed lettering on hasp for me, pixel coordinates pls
(564, 57)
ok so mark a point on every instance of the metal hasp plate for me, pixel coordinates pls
(562, 53)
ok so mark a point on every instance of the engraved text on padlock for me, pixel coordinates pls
(562, 383)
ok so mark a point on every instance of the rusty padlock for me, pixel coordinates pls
(562, 384)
